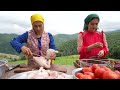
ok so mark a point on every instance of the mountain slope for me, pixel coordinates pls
(5, 46)
(61, 38)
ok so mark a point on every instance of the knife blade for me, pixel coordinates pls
(33, 54)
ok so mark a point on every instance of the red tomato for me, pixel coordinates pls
(96, 78)
(106, 68)
(86, 77)
(99, 72)
(90, 73)
(110, 75)
(91, 68)
(86, 69)
(79, 75)
(94, 67)
(117, 72)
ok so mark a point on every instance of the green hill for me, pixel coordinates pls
(5, 46)
(61, 38)
(68, 48)
(113, 40)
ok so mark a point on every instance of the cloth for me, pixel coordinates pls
(32, 43)
(37, 17)
(89, 38)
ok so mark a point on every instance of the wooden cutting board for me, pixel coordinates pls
(59, 68)
(54, 67)
(24, 68)
(19, 70)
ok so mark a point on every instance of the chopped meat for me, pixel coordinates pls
(53, 74)
(45, 74)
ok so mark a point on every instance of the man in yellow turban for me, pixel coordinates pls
(37, 39)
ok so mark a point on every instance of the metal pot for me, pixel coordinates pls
(2, 67)
(75, 71)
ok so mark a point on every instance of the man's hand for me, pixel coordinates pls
(25, 50)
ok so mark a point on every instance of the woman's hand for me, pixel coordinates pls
(95, 45)
(25, 50)
(101, 53)
(98, 45)
(53, 55)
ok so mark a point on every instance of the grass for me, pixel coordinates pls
(65, 60)
(17, 62)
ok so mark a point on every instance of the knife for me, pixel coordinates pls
(11, 68)
(33, 54)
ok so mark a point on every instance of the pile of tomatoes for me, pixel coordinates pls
(97, 72)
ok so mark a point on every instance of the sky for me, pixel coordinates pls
(57, 22)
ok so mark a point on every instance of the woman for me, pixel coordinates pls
(38, 41)
(92, 43)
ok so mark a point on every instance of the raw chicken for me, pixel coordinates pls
(46, 74)
(45, 61)
(42, 62)
(53, 74)
(39, 74)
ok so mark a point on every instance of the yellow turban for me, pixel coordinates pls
(37, 17)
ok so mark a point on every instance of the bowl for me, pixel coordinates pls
(75, 71)
(90, 62)
(2, 68)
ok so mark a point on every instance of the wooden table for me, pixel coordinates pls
(11, 73)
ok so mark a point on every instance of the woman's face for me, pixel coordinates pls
(93, 24)
(38, 27)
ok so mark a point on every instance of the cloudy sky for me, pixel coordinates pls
(57, 22)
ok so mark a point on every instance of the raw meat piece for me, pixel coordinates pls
(45, 74)
(42, 62)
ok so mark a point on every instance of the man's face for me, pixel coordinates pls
(38, 27)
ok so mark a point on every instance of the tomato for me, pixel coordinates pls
(90, 73)
(79, 75)
(117, 72)
(94, 67)
(110, 75)
(91, 68)
(106, 68)
(86, 77)
(96, 78)
(86, 69)
(99, 72)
